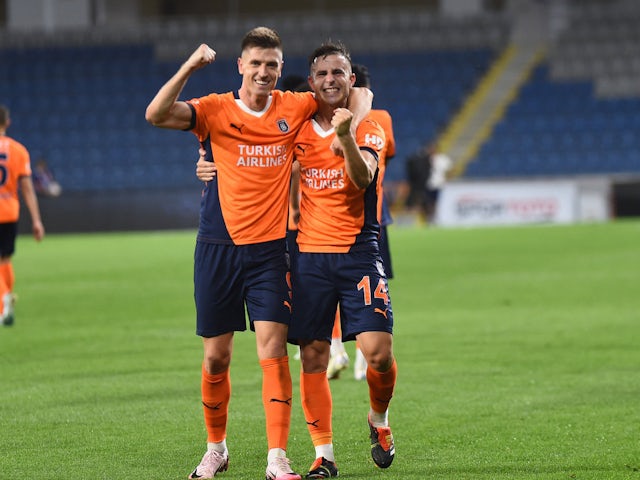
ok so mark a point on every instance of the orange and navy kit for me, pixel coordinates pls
(339, 261)
(335, 215)
(240, 258)
(14, 163)
(247, 202)
(383, 118)
(240, 254)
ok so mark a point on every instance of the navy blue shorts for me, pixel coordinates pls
(385, 251)
(8, 233)
(355, 281)
(228, 277)
(292, 247)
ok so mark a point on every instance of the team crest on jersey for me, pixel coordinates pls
(283, 125)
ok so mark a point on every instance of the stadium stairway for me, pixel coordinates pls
(484, 108)
(563, 121)
(562, 128)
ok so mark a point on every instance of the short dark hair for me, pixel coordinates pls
(293, 82)
(362, 75)
(262, 37)
(4, 115)
(329, 48)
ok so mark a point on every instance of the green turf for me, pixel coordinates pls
(518, 353)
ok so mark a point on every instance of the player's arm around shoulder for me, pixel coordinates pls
(360, 164)
(206, 170)
(360, 102)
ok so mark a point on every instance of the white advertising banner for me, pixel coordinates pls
(507, 203)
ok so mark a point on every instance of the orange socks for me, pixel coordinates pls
(216, 392)
(381, 387)
(317, 405)
(7, 279)
(276, 397)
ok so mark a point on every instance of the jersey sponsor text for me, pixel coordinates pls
(262, 155)
(323, 178)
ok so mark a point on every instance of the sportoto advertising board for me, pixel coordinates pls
(507, 203)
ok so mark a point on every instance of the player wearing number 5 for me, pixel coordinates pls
(15, 174)
(339, 261)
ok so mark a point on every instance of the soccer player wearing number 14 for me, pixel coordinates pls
(339, 261)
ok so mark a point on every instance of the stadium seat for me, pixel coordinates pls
(562, 128)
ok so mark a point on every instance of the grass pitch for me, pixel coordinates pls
(518, 354)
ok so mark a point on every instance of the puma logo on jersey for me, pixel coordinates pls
(237, 127)
(381, 312)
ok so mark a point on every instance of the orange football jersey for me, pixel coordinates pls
(253, 155)
(383, 118)
(14, 163)
(335, 215)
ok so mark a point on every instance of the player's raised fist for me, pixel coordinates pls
(341, 121)
(204, 55)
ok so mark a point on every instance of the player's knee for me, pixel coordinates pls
(314, 356)
(216, 361)
(214, 366)
(380, 361)
(271, 340)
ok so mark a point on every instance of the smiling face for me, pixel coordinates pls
(331, 79)
(260, 69)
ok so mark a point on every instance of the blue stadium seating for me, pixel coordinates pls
(562, 128)
(82, 108)
(422, 91)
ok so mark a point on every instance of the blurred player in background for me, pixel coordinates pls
(441, 165)
(240, 257)
(15, 174)
(44, 181)
(294, 83)
(339, 358)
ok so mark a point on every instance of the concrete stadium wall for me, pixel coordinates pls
(179, 210)
(626, 198)
(117, 211)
